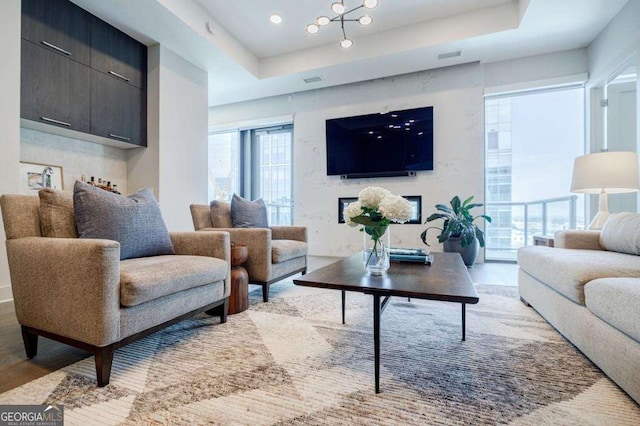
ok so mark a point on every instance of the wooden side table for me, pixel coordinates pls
(239, 297)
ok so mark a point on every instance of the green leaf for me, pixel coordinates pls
(444, 208)
(467, 201)
(480, 236)
(437, 216)
(455, 203)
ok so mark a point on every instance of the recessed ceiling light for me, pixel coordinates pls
(312, 28)
(379, 137)
(312, 79)
(370, 132)
(275, 18)
(370, 4)
(346, 43)
(323, 20)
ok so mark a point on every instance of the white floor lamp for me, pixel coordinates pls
(605, 173)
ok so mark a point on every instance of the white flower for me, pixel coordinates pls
(372, 196)
(354, 209)
(396, 208)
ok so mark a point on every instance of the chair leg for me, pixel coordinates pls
(30, 342)
(104, 360)
(304, 272)
(220, 311)
(265, 292)
(224, 308)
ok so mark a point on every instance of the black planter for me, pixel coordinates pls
(468, 253)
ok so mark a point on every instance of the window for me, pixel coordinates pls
(531, 141)
(254, 163)
(272, 182)
(224, 165)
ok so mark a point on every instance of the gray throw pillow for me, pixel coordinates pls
(134, 221)
(248, 214)
(221, 214)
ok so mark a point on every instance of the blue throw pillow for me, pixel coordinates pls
(248, 214)
(134, 221)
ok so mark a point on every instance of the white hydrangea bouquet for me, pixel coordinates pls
(376, 209)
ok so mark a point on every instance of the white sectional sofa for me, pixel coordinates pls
(588, 288)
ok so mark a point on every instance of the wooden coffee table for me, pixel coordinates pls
(446, 279)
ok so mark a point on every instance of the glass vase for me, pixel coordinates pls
(375, 252)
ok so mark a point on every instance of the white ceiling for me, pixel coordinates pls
(248, 57)
(248, 20)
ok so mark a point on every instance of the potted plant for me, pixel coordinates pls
(459, 233)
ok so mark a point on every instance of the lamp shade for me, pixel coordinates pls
(612, 172)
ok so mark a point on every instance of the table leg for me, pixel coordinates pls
(376, 338)
(464, 320)
(344, 302)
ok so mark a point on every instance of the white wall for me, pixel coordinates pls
(616, 47)
(175, 161)
(9, 118)
(618, 42)
(456, 95)
(537, 69)
(76, 157)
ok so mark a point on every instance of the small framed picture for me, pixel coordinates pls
(342, 204)
(34, 177)
(416, 208)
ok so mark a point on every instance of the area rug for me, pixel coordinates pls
(292, 361)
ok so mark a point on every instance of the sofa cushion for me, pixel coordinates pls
(57, 217)
(146, 279)
(621, 233)
(568, 270)
(134, 221)
(248, 214)
(617, 302)
(283, 250)
(221, 214)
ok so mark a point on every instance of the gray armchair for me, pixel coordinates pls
(79, 292)
(275, 253)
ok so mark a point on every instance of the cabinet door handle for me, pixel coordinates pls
(120, 76)
(54, 47)
(124, 138)
(51, 120)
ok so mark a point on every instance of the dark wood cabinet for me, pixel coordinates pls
(59, 26)
(54, 89)
(82, 74)
(116, 109)
(115, 53)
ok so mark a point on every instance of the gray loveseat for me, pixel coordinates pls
(79, 292)
(588, 288)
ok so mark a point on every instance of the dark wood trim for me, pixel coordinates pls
(104, 354)
(30, 342)
(220, 310)
(266, 284)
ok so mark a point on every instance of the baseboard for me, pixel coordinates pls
(5, 294)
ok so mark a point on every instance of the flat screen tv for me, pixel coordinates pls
(395, 143)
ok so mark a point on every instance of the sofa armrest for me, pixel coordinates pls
(258, 240)
(586, 240)
(297, 233)
(210, 244)
(67, 286)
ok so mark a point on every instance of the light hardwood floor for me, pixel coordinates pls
(16, 369)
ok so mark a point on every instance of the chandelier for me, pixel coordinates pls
(341, 11)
